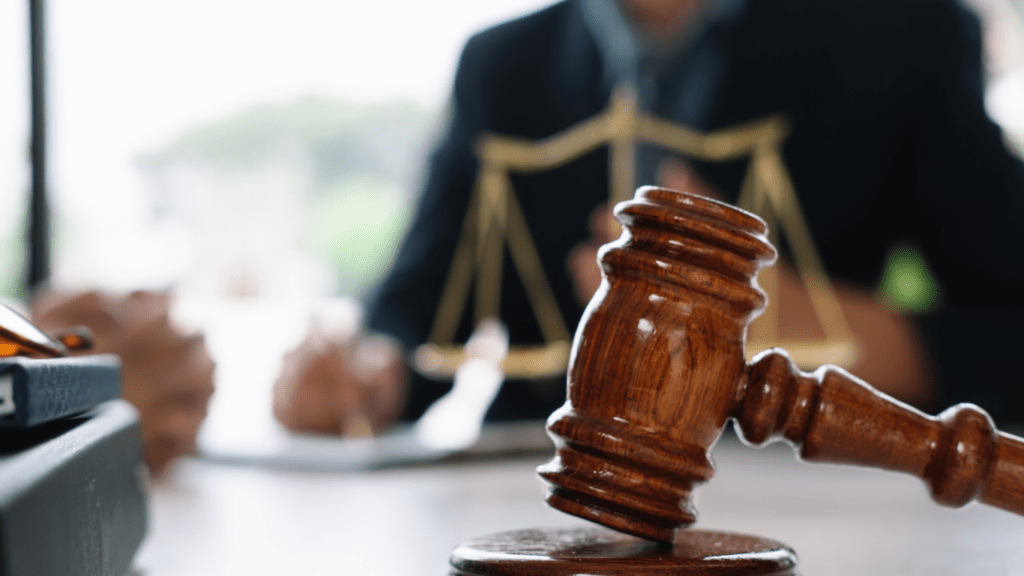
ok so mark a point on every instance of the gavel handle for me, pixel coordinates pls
(835, 417)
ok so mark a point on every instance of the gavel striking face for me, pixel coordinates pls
(658, 368)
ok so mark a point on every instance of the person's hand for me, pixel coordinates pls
(352, 386)
(167, 374)
(890, 352)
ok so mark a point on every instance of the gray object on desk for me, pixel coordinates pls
(72, 495)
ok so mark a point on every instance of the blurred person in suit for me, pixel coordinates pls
(889, 145)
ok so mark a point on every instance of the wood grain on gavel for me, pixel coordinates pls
(658, 368)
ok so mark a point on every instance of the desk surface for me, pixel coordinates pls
(211, 518)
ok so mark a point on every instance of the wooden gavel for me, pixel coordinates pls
(658, 368)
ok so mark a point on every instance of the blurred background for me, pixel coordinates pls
(227, 147)
(258, 158)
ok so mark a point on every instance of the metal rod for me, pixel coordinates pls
(39, 214)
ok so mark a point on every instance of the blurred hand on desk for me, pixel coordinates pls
(168, 374)
(348, 385)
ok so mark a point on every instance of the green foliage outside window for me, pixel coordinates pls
(352, 167)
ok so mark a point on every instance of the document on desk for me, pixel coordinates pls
(451, 428)
(277, 447)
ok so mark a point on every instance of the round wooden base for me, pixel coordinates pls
(600, 551)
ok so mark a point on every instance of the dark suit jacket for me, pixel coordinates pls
(889, 143)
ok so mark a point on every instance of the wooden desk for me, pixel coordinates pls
(215, 519)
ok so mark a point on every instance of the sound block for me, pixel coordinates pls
(598, 551)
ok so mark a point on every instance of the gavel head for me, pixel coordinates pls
(656, 362)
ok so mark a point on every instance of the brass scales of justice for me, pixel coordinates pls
(494, 219)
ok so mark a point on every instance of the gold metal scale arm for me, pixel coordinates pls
(494, 219)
